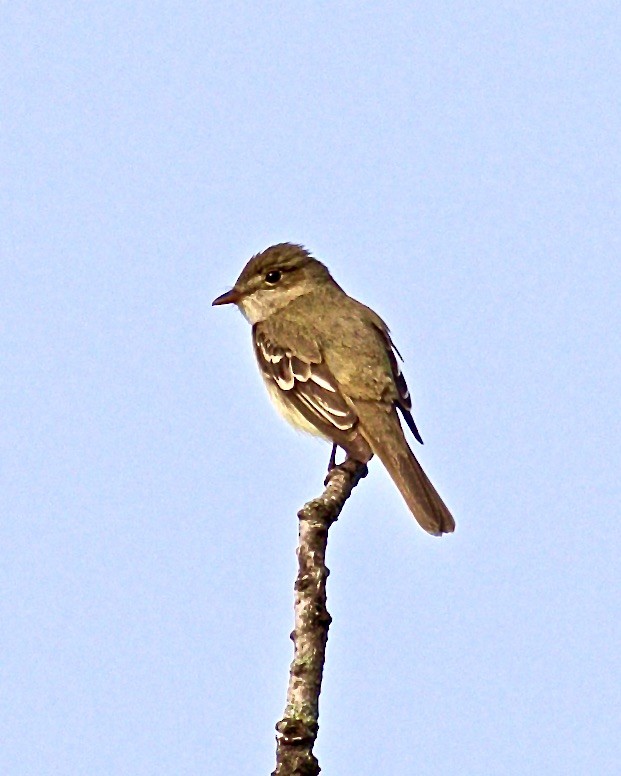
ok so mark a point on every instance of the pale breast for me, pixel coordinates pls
(288, 411)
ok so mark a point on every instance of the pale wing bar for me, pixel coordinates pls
(308, 384)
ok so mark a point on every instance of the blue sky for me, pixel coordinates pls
(457, 166)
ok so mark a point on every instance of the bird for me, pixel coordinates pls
(331, 368)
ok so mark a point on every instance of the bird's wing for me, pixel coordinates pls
(306, 383)
(404, 402)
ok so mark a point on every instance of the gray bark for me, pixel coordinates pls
(297, 730)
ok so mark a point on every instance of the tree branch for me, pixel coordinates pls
(297, 730)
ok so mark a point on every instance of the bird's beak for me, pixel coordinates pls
(230, 297)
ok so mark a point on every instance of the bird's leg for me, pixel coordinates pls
(332, 461)
(358, 453)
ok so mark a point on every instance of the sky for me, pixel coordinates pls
(457, 166)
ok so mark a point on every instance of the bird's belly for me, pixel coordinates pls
(289, 412)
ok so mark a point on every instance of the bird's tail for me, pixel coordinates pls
(381, 428)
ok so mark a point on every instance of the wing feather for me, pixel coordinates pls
(307, 385)
(404, 402)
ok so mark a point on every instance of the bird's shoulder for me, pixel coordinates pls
(338, 330)
(293, 331)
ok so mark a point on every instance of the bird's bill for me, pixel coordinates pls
(230, 297)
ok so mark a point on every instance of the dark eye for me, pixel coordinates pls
(273, 276)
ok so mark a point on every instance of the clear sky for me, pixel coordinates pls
(457, 165)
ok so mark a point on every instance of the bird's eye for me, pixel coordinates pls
(273, 276)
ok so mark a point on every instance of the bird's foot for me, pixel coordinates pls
(349, 465)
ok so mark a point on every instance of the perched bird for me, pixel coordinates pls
(331, 368)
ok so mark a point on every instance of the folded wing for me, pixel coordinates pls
(307, 385)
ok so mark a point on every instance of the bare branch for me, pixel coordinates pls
(297, 730)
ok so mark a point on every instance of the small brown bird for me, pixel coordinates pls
(331, 368)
